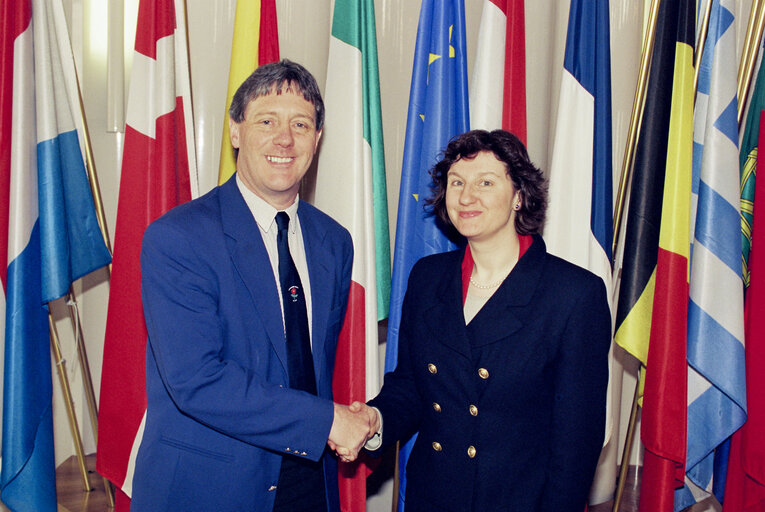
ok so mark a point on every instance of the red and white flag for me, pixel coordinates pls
(158, 172)
(498, 85)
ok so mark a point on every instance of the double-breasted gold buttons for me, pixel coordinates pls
(437, 446)
(473, 410)
(432, 368)
(471, 451)
(483, 373)
(436, 407)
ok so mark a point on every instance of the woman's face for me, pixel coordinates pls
(480, 197)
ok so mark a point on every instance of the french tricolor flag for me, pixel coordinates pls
(579, 216)
(579, 226)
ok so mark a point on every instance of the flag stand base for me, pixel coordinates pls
(627, 452)
(64, 380)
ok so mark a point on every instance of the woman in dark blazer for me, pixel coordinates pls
(502, 365)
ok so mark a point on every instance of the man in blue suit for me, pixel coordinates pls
(235, 421)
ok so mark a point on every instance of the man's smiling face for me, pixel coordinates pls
(276, 142)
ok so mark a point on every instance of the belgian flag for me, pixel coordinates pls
(651, 319)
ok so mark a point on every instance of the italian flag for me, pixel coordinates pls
(351, 189)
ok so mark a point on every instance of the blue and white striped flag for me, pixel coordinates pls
(716, 379)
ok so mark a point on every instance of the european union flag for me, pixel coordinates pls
(438, 110)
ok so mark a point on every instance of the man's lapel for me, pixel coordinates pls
(321, 273)
(251, 261)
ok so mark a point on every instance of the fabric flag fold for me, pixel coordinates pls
(255, 42)
(71, 240)
(351, 188)
(581, 171)
(499, 70)
(53, 236)
(438, 110)
(635, 303)
(716, 384)
(158, 173)
(663, 420)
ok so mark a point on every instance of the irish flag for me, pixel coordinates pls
(351, 188)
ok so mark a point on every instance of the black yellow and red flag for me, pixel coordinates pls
(651, 319)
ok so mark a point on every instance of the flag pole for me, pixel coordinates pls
(87, 379)
(635, 120)
(632, 136)
(747, 44)
(90, 168)
(749, 55)
(627, 452)
(394, 505)
(700, 48)
(64, 380)
(74, 316)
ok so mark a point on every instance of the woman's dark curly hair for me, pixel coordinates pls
(527, 179)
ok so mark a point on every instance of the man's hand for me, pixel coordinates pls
(352, 426)
(371, 413)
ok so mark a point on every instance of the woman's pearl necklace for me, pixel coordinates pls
(486, 286)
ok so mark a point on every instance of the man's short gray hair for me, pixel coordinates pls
(277, 77)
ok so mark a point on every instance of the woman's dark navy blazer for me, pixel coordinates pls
(510, 409)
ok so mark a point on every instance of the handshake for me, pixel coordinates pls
(352, 426)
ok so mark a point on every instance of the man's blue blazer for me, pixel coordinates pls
(220, 414)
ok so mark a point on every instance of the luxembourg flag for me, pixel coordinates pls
(498, 85)
(53, 236)
(351, 188)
